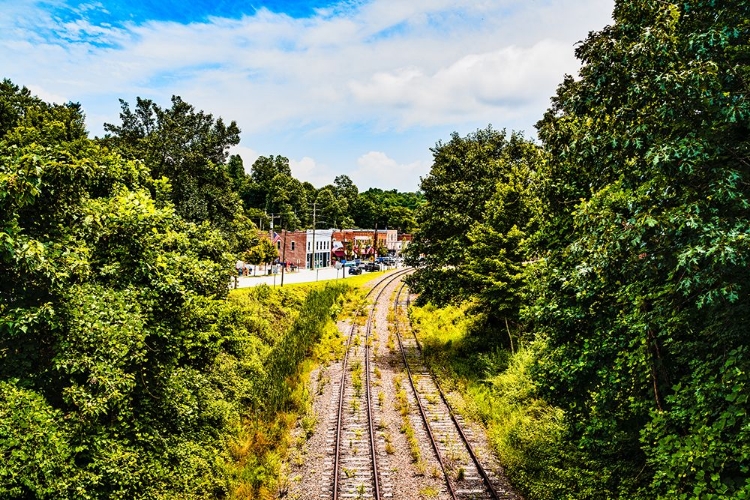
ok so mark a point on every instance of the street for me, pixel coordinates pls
(300, 276)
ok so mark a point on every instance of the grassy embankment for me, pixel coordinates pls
(496, 389)
(301, 335)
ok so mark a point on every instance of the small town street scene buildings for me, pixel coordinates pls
(299, 249)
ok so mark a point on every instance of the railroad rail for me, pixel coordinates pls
(465, 477)
(363, 477)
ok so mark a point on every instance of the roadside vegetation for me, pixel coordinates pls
(497, 389)
(306, 337)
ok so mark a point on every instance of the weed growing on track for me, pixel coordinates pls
(429, 492)
(356, 369)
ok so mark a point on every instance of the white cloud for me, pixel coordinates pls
(46, 95)
(309, 170)
(376, 169)
(378, 66)
(476, 87)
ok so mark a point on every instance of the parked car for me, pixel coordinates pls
(372, 266)
(355, 270)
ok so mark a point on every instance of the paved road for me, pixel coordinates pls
(302, 276)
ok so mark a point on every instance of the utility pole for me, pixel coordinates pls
(283, 252)
(313, 237)
(270, 237)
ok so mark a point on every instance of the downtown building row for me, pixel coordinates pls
(326, 246)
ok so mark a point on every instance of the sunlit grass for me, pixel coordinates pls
(496, 389)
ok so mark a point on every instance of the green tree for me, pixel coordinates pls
(258, 192)
(264, 252)
(364, 212)
(288, 199)
(344, 188)
(273, 190)
(642, 294)
(332, 209)
(399, 218)
(190, 149)
(110, 324)
(265, 168)
(463, 179)
(391, 209)
(236, 171)
(496, 265)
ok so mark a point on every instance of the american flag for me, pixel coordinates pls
(276, 237)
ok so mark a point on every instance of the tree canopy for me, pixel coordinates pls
(626, 260)
(125, 369)
(465, 177)
(107, 319)
(189, 148)
(643, 299)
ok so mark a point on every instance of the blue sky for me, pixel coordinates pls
(357, 87)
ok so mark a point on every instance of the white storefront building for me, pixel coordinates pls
(319, 246)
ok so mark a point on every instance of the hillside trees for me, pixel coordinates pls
(257, 191)
(110, 327)
(387, 209)
(643, 299)
(332, 209)
(271, 190)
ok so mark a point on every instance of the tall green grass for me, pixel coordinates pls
(288, 330)
(282, 334)
(496, 388)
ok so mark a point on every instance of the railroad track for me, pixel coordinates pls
(355, 458)
(465, 477)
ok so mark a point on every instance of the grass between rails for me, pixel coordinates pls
(496, 389)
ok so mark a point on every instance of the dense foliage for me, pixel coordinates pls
(643, 296)
(190, 149)
(527, 432)
(123, 368)
(271, 191)
(637, 255)
(389, 209)
(479, 205)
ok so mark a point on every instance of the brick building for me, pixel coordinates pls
(361, 241)
(292, 247)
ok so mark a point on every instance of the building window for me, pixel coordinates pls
(278, 245)
(292, 246)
